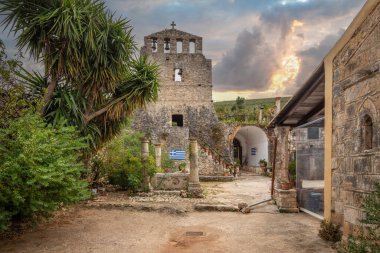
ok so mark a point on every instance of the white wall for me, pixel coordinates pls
(253, 137)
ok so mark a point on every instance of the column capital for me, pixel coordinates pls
(144, 139)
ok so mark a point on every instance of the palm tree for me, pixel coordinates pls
(92, 78)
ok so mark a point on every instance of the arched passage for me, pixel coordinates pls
(254, 145)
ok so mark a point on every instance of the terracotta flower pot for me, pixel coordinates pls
(285, 186)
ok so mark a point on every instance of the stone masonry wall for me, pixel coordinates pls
(356, 96)
(191, 97)
(207, 165)
(170, 181)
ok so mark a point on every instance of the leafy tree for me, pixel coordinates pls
(92, 78)
(39, 169)
(13, 99)
(121, 161)
(240, 103)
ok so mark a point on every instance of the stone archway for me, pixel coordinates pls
(237, 151)
(254, 146)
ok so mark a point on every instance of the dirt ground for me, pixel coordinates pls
(111, 223)
(249, 189)
(93, 230)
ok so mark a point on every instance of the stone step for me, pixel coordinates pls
(165, 192)
(216, 178)
(145, 207)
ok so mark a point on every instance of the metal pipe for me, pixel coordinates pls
(258, 203)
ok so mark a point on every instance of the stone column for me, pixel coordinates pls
(286, 199)
(144, 161)
(282, 157)
(194, 188)
(261, 114)
(157, 149)
(278, 104)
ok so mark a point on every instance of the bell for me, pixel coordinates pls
(154, 46)
(167, 45)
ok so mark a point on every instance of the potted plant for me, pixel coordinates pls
(263, 166)
(182, 167)
(292, 173)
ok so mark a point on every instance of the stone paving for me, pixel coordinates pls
(165, 222)
(248, 188)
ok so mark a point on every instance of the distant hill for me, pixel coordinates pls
(248, 112)
(266, 102)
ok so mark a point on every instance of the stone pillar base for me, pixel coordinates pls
(194, 190)
(286, 200)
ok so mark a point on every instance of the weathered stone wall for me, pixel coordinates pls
(208, 165)
(356, 96)
(191, 97)
(170, 181)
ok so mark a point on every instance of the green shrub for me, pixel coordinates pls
(39, 169)
(329, 232)
(122, 161)
(292, 170)
(167, 164)
(264, 162)
(368, 238)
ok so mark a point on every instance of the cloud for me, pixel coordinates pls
(312, 57)
(258, 56)
(249, 65)
(245, 58)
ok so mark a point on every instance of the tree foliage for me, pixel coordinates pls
(245, 111)
(121, 161)
(14, 101)
(39, 169)
(92, 78)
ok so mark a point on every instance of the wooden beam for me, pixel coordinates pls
(313, 112)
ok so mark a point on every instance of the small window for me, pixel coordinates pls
(367, 132)
(178, 75)
(154, 45)
(179, 46)
(177, 120)
(166, 45)
(313, 133)
(192, 47)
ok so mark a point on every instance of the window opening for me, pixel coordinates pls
(177, 120)
(178, 75)
(368, 132)
(179, 46)
(313, 133)
(166, 45)
(154, 45)
(192, 47)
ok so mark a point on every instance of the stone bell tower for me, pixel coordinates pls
(184, 108)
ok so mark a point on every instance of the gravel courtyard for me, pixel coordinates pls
(93, 228)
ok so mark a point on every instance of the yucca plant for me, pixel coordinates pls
(92, 78)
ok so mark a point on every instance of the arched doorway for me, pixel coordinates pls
(253, 144)
(237, 151)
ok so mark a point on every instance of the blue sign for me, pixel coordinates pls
(176, 154)
(253, 151)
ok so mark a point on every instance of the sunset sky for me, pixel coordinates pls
(259, 48)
